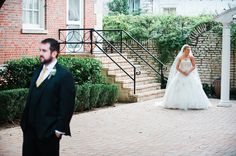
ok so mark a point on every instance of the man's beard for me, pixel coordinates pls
(46, 61)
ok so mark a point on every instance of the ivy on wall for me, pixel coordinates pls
(169, 33)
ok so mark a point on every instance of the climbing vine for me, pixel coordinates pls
(168, 32)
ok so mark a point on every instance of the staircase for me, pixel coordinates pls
(136, 78)
(147, 86)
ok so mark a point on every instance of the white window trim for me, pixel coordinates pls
(37, 28)
(169, 7)
(133, 10)
(80, 22)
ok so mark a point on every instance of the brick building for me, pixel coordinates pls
(24, 23)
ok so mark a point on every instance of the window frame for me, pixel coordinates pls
(34, 28)
(164, 9)
(133, 9)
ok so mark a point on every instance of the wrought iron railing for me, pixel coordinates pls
(76, 40)
(92, 38)
(119, 41)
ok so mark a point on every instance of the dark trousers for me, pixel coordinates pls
(32, 146)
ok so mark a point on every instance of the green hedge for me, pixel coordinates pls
(18, 73)
(12, 104)
(96, 95)
(88, 96)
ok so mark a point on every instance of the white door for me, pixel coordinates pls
(74, 21)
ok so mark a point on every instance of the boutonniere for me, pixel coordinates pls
(52, 73)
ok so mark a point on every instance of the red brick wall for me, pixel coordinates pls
(89, 15)
(14, 44)
(89, 20)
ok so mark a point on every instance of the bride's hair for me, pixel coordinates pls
(185, 46)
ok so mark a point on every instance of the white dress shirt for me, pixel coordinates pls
(49, 68)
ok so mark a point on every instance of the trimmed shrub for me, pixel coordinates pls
(18, 73)
(94, 95)
(103, 97)
(83, 95)
(113, 94)
(88, 96)
(12, 103)
(84, 70)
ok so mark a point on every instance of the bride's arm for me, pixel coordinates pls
(178, 69)
(193, 65)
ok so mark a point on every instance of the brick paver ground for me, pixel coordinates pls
(143, 129)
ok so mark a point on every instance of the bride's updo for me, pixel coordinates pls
(185, 47)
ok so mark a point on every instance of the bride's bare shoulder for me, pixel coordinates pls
(181, 58)
(191, 57)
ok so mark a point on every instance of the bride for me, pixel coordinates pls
(184, 89)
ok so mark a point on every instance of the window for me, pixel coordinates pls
(74, 10)
(33, 15)
(74, 21)
(134, 5)
(169, 10)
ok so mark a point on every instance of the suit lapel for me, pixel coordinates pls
(35, 77)
(44, 84)
(33, 82)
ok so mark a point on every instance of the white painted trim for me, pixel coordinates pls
(225, 68)
(36, 27)
(80, 22)
(34, 31)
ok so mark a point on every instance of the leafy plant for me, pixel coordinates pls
(118, 7)
(88, 96)
(18, 73)
(169, 33)
(12, 103)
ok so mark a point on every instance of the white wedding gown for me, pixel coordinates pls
(185, 92)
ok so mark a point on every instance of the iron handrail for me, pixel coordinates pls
(163, 78)
(134, 79)
(91, 42)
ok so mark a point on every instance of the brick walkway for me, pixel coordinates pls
(143, 129)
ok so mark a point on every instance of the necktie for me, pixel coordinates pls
(40, 79)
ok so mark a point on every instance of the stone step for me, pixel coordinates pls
(108, 60)
(113, 71)
(129, 71)
(139, 81)
(146, 84)
(124, 76)
(140, 85)
(142, 54)
(144, 96)
(115, 57)
(121, 64)
(127, 67)
(146, 88)
(124, 65)
(100, 55)
(120, 61)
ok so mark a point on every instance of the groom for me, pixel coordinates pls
(49, 106)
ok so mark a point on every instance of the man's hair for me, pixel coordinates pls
(54, 44)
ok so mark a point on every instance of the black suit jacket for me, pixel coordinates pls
(50, 106)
